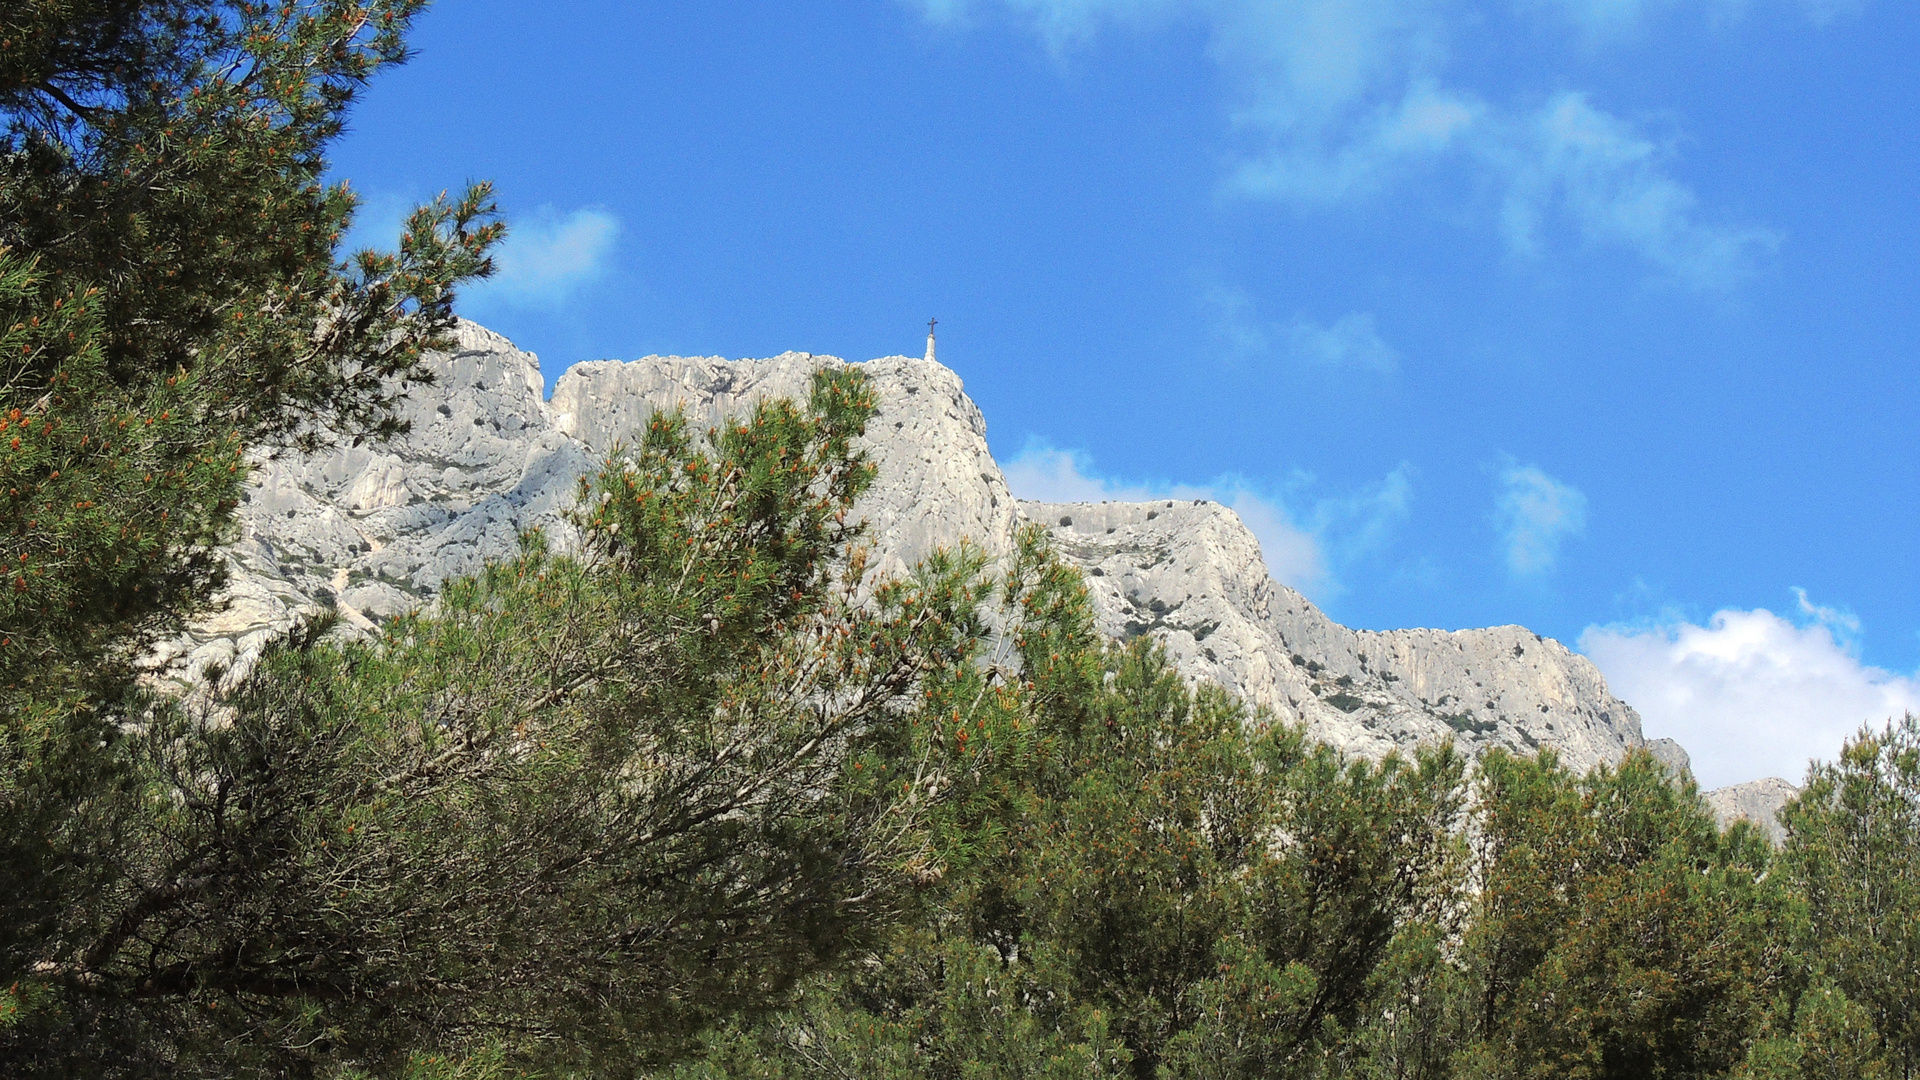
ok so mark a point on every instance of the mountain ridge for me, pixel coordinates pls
(374, 530)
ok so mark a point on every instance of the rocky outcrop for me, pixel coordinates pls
(1758, 801)
(1678, 762)
(937, 481)
(1191, 574)
(372, 531)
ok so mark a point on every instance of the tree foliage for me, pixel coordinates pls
(171, 299)
(587, 805)
(172, 303)
(1616, 931)
(1184, 892)
(1178, 887)
(1853, 835)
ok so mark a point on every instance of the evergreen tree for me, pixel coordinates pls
(601, 809)
(1175, 888)
(172, 301)
(171, 304)
(1616, 932)
(1853, 854)
(581, 809)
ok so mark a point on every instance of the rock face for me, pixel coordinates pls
(1672, 755)
(1758, 801)
(1191, 574)
(374, 531)
(937, 481)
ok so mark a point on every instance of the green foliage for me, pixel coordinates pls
(105, 513)
(1182, 891)
(171, 304)
(1851, 851)
(170, 301)
(1175, 887)
(1823, 1035)
(701, 796)
(1338, 915)
(598, 801)
(1616, 932)
(102, 516)
(936, 1006)
(169, 154)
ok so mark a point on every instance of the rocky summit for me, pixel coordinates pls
(374, 530)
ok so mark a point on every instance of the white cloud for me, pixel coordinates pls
(1305, 63)
(1611, 21)
(1825, 11)
(1063, 22)
(1751, 694)
(1044, 474)
(1296, 547)
(1609, 182)
(1238, 323)
(546, 257)
(1363, 522)
(1535, 513)
(1343, 161)
(1351, 341)
(1844, 625)
(1295, 557)
(1604, 20)
(1340, 99)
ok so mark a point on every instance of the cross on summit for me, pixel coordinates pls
(930, 326)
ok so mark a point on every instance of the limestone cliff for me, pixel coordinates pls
(1758, 801)
(1191, 574)
(375, 530)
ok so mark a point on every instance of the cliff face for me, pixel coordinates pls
(1758, 801)
(375, 530)
(1191, 574)
(937, 481)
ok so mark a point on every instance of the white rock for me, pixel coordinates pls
(1678, 762)
(937, 480)
(376, 531)
(1758, 801)
(1191, 574)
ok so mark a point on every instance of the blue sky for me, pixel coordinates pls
(1597, 316)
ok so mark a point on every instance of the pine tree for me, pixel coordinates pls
(1616, 932)
(172, 302)
(1172, 888)
(583, 808)
(1853, 839)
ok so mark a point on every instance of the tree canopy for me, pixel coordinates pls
(173, 300)
(586, 805)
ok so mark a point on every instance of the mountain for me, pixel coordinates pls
(375, 530)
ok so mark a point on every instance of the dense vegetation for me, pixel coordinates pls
(700, 796)
(1182, 890)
